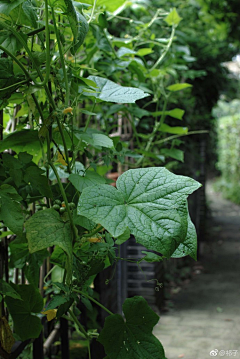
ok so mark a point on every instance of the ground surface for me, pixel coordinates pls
(206, 315)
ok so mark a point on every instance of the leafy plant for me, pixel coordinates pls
(54, 82)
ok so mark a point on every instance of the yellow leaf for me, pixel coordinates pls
(6, 336)
(68, 110)
(94, 239)
(61, 159)
(51, 314)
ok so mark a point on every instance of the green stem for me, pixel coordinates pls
(155, 17)
(165, 51)
(38, 106)
(14, 85)
(61, 58)
(93, 232)
(89, 118)
(93, 300)
(24, 44)
(92, 12)
(79, 325)
(155, 130)
(177, 136)
(64, 143)
(35, 32)
(16, 60)
(74, 230)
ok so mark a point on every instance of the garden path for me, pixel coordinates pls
(206, 314)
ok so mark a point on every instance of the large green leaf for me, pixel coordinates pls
(151, 202)
(133, 338)
(45, 229)
(10, 209)
(26, 324)
(111, 92)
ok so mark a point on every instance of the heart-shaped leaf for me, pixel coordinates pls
(151, 202)
(132, 338)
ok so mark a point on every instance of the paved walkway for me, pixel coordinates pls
(206, 315)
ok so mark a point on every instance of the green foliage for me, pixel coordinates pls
(66, 87)
(26, 324)
(150, 202)
(132, 338)
(45, 229)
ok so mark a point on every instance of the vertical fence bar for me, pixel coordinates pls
(38, 347)
(64, 338)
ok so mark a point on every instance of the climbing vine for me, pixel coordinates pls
(63, 84)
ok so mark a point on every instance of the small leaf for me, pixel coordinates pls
(189, 245)
(173, 18)
(178, 87)
(132, 338)
(51, 314)
(124, 237)
(111, 92)
(61, 160)
(175, 113)
(175, 130)
(90, 179)
(10, 209)
(144, 51)
(68, 110)
(173, 153)
(7, 290)
(151, 257)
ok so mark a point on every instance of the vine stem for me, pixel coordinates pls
(93, 300)
(76, 321)
(89, 118)
(155, 130)
(92, 12)
(61, 58)
(165, 51)
(74, 230)
(177, 136)
(93, 232)
(24, 44)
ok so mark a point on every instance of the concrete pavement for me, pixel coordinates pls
(206, 315)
